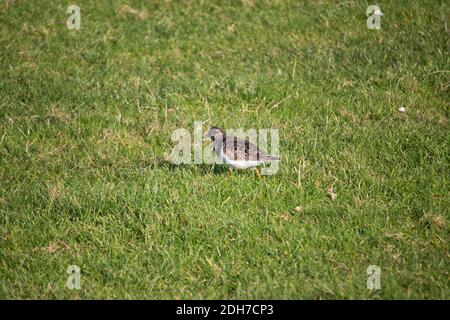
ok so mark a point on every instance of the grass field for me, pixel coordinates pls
(86, 118)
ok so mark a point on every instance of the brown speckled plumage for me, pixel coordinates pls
(243, 150)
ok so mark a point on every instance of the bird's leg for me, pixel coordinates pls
(229, 171)
(257, 172)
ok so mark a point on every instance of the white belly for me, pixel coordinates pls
(238, 164)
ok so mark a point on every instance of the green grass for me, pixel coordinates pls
(85, 124)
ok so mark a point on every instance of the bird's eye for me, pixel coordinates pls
(212, 138)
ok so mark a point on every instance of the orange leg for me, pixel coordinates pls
(257, 172)
(229, 171)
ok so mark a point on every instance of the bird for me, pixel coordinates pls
(237, 153)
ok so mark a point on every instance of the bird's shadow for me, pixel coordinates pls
(215, 169)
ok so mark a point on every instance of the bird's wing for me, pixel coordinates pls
(238, 149)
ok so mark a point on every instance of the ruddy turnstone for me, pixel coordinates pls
(237, 153)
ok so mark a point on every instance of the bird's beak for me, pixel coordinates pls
(207, 137)
(206, 141)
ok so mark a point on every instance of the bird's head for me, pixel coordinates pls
(214, 133)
